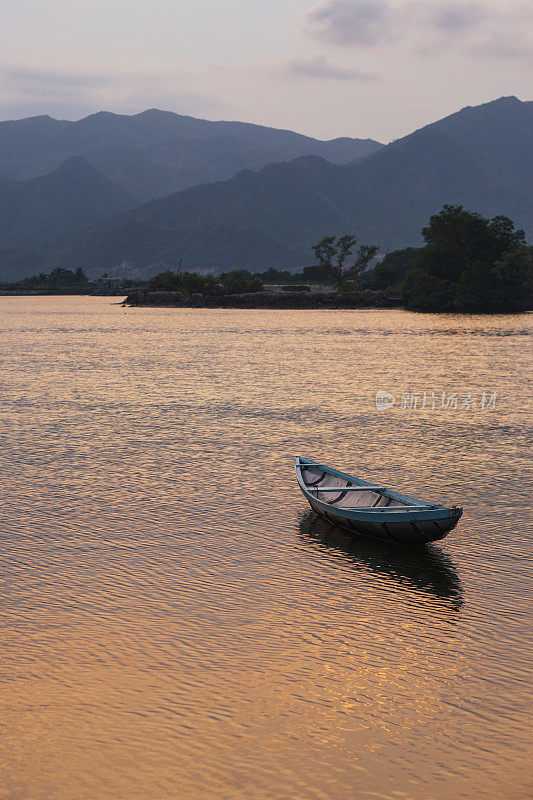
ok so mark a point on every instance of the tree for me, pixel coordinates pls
(272, 275)
(470, 263)
(325, 251)
(506, 238)
(424, 292)
(365, 255)
(332, 255)
(475, 291)
(390, 272)
(241, 281)
(514, 279)
(505, 287)
(315, 273)
(345, 246)
(457, 239)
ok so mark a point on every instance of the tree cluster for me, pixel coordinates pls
(469, 263)
(57, 279)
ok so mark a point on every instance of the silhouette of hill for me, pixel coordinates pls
(481, 157)
(74, 196)
(154, 153)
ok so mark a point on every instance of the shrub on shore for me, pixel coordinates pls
(241, 281)
(186, 282)
(189, 283)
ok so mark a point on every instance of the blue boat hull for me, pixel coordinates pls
(391, 517)
(414, 532)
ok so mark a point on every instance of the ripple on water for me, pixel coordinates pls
(175, 622)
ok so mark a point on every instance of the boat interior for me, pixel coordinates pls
(324, 485)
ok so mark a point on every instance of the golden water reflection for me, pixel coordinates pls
(175, 623)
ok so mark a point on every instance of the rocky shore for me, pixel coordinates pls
(281, 300)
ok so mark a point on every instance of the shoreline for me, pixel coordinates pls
(262, 300)
(43, 293)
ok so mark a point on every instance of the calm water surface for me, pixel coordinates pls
(175, 624)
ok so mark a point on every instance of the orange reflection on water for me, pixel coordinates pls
(176, 624)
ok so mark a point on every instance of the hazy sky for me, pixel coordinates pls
(376, 68)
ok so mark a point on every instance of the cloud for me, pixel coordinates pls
(26, 91)
(453, 17)
(31, 80)
(346, 22)
(320, 66)
(424, 25)
(517, 47)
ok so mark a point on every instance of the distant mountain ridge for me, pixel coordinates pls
(480, 157)
(38, 211)
(155, 153)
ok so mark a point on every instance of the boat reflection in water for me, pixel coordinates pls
(426, 569)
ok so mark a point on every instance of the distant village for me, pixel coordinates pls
(65, 281)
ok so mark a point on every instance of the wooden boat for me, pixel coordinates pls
(366, 508)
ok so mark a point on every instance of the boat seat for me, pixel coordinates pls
(346, 489)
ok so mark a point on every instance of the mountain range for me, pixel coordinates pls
(157, 152)
(480, 157)
(75, 195)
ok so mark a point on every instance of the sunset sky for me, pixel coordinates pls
(366, 68)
